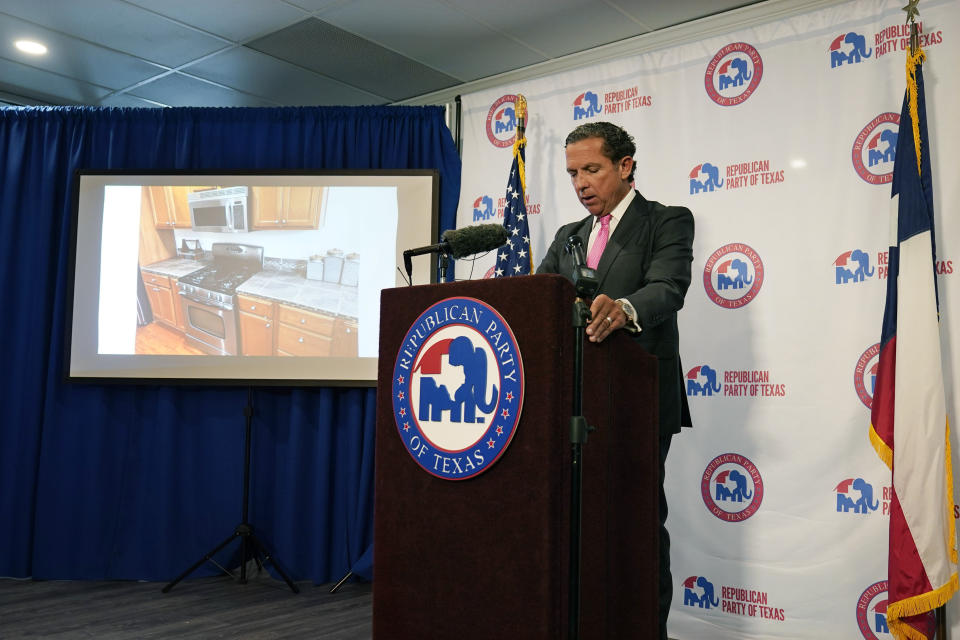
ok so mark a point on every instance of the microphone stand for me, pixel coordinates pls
(586, 284)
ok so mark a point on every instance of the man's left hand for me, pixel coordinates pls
(608, 316)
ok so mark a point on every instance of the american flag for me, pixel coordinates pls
(514, 258)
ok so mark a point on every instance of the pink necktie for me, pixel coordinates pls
(599, 243)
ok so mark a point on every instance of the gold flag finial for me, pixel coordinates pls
(521, 107)
(912, 13)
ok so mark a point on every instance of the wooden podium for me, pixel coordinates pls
(488, 557)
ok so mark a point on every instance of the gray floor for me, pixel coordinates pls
(200, 608)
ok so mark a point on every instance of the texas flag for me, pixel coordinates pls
(909, 426)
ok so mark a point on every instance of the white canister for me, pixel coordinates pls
(351, 270)
(332, 265)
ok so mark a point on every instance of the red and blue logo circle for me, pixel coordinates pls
(875, 148)
(733, 74)
(872, 611)
(502, 121)
(865, 375)
(731, 487)
(733, 275)
(458, 388)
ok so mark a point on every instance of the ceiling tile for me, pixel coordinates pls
(235, 20)
(335, 53)
(118, 25)
(46, 87)
(279, 81)
(179, 90)
(556, 28)
(659, 15)
(73, 58)
(434, 34)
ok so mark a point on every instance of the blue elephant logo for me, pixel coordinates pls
(864, 503)
(586, 105)
(857, 52)
(738, 281)
(483, 208)
(844, 272)
(708, 387)
(470, 396)
(739, 493)
(692, 598)
(742, 73)
(880, 617)
(875, 155)
(506, 121)
(711, 180)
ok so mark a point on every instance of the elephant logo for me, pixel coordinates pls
(875, 149)
(733, 74)
(733, 275)
(586, 105)
(458, 388)
(709, 181)
(699, 592)
(483, 208)
(865, 375)
(864, 503)
(502, 121)
(872, 611)
(846, 273)
(731, 487)
(708, 387)
(839, 54)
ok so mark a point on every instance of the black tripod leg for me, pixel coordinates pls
(193, 567)
(258, 547)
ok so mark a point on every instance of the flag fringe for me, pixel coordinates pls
(913, 60)
(883, 451)
(520, 140)
(949, 498)
(917, 605)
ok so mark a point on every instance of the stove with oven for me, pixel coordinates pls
(208, 296)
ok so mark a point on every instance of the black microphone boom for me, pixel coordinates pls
(584, 278)
(460, 243)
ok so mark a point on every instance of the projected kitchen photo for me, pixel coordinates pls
(244, 270)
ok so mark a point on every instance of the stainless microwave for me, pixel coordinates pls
(219, 209)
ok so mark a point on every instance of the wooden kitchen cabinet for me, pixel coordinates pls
(170, 208)
(345, 339)
(257, 326)
(286, 207)
(162, 299)
(304, 333)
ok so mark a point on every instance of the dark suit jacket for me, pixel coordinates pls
(647, 261)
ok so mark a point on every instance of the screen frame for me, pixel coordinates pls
(423, 272)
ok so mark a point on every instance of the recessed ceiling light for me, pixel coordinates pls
(29, 46)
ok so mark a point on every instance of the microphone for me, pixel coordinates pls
(460, 243)
(584, 278)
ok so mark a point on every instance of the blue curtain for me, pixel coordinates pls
(137, 482)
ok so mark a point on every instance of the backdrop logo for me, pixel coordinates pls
(733, 74)
(705, 177)
(850, 48)
(856, 495)
(706, 381)
(872, 611)
(875, 148)
(457, 388)
(502, 121)
(733, 275)
(852, 266)
(865, 374)
(699, 592)
(587, 105)
(731, 487)
(483, 208)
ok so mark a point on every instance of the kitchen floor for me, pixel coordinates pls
(157, 339)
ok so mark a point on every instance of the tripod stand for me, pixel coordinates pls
(250, 545)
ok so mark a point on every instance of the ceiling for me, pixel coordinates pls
(261, 53)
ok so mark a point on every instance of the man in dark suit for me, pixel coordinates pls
(642, 251)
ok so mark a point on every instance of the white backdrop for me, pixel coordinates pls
(778, 503)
